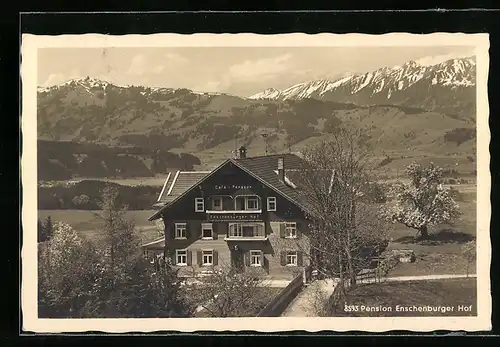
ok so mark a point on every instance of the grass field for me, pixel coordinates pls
(87, 223)
(386, 297)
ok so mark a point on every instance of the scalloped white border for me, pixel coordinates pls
(30, 45)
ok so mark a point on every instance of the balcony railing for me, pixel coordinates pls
(246, 232)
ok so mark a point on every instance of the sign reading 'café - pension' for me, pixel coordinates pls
(231, 186)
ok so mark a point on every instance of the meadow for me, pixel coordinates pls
(87, 223)
(450, 293)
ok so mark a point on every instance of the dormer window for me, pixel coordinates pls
(199, 205)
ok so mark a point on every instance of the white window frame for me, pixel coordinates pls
(255, 255)
(209, 253)
(197, 203)
(289, 226)
(177, 255)
(207, 226)
(271, 200)
(238, 228)
(217, 198)
(247, 200)
(178, 228)
(292, 258)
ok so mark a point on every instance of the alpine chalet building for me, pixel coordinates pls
(246, 213)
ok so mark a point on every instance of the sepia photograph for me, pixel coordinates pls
(281, 182)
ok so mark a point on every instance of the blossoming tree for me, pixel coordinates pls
(423, 201)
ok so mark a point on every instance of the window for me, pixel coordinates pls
(243, 203)
(252, 203)
(180, 230)
(208, 258)
(271, 204)
(247, 230)
(207, 231)
(235, 230)
(199, 205)
(181, 257)
(291, 230)
(255, 257)
(291, 258)
(217, 203)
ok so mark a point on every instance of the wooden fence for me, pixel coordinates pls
(276, 307)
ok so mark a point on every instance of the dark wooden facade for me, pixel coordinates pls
(243, 222)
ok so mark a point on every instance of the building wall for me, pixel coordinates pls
(272, 248)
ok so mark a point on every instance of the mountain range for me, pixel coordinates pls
(447, 87)
(409, 110)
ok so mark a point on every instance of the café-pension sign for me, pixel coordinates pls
(231, 186)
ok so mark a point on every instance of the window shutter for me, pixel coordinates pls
(299, 259)
(282, 230)
(216, 258)
(262, 258)
(189, 256)
(199, 258)
(215, 229)
(247, 258)
(174, 257)
(299, 229)
(188, 232)
(283, 258)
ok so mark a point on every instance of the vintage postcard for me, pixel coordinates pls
(329, 182)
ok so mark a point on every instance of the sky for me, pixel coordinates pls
(241, 71)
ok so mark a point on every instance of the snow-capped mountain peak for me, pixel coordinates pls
(386, 81)
(269, 93)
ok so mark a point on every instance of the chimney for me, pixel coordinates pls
(243, 152)
(281, 169)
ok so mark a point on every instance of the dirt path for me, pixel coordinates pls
(303, 304)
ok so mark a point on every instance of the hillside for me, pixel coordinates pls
(403, 112)
(58, 160)
(448, 87)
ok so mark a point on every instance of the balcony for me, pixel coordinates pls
(234, 215)
(246, 232)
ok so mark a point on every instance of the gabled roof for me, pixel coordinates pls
(165, 204)
(263, 168)
(176, 184)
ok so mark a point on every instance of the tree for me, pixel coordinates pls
(118, 234)
(346, 229)
(42, 234)
(68, 268)
(423, 201)
(81, 200)
(48, 227)
(469, 252)
(228, 293)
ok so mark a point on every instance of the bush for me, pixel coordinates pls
(81, 200)
(460, 135)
